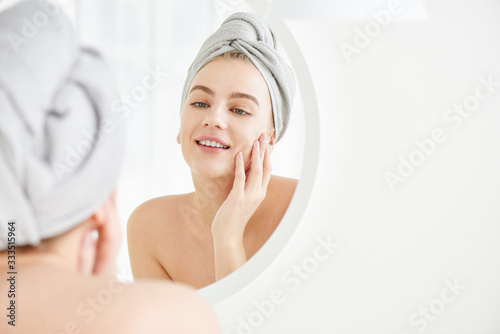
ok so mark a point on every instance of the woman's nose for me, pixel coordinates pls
(215, 118)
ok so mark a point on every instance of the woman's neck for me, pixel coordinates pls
(34, 256)
(209, 195)
(61, 251)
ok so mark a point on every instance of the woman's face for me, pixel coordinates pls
(227, 108)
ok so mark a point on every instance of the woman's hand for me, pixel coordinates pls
(109, 240)
(248, 192)
(98, 257)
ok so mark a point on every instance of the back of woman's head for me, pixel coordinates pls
(61, 146)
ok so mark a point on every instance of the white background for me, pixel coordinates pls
(397, 251)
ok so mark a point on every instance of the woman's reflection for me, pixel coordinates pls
(236, 105)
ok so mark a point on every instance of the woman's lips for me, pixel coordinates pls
(211, 144)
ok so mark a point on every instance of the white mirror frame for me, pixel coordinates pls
(237, 280)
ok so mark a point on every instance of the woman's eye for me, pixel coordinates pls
(239, 112)
(200, 104)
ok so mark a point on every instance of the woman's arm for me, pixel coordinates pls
(249, 190)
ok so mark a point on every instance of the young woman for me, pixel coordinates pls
(57, 191)
(236, 103)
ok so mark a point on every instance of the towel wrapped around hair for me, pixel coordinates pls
(248, 33)
(61, 146)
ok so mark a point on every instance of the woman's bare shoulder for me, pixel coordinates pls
(153, 212)
(158, 206)
(147, 306)
(156, 215)
(105, 305)
(282, 185)
(279, 194)
(163, 307)
(152, 229)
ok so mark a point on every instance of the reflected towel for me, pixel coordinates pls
(61, 147)
(248, 33)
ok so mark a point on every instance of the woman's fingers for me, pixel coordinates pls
(239, 173)
(255, 175)
(105, 253)
(108, 242)
(87, 254)
(267, 168)
(263, 145)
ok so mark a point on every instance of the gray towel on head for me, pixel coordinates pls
(61, 147)
(249, 34)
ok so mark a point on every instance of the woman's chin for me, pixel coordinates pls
(214, 172)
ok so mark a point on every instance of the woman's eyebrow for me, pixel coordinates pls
(235, 95)
(203, 88)
(238, 95)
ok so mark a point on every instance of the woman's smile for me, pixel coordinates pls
(211, 144)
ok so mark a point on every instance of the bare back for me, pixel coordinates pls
(55, 300)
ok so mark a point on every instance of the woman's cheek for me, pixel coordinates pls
(249, 150)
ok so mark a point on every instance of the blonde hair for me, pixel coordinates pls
(234, 54)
